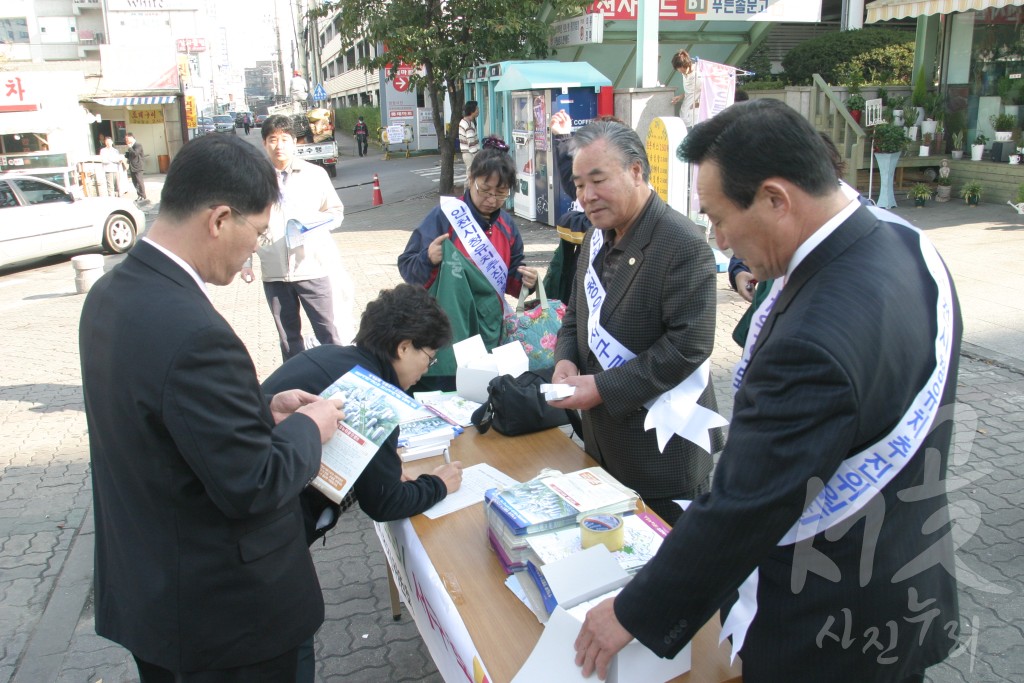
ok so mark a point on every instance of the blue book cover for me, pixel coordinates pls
(545, 590)
(530, 507)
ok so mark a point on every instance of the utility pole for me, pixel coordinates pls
(280, 53)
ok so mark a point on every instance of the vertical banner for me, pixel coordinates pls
(669, 175)
(718, 91)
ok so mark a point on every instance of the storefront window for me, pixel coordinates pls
(997, 55)
(24, 143)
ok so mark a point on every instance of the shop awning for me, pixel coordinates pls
(883, 10)
(125, 101)
(544, 75)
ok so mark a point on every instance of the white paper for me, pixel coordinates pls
(554, 392)
(554, 656)
(468, 350)
(584, 575)
(511, 359)
(475, 481)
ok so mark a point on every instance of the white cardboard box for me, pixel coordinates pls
(475, 368)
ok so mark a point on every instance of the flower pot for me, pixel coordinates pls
(922, 151)
(912, 132)
(855, 114)
(1014, 159)
(928, 127)
(919, 202)
(977, 152)
(972, 200)
(958, 154)
(886, 171)
(942, 193)
(1003, 136)
(897, 117)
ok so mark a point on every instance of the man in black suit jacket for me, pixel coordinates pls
(845, 406)
(202, 569)
(659, 277)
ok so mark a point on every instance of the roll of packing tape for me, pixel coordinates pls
(604, 529)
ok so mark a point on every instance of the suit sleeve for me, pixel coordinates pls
(215, 412)
(688, 322)
(384, 496)
(785, 432)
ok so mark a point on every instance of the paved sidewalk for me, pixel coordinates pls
(46, 616)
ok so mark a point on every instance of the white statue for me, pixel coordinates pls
(944, 169)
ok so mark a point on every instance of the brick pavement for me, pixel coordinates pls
(46, 623)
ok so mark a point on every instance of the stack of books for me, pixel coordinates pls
(449, 405)
(426, 435)
(517, 513)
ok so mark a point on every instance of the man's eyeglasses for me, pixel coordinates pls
(262, 236)
(501, 197)
(433, 359)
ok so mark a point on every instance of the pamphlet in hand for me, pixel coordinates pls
(373, 409)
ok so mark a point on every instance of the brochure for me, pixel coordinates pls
(373, 409)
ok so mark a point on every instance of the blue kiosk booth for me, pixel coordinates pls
(516, 101)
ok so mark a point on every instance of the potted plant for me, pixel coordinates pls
(921, 194)
(1019, 205)
(889, 143)
(971, 192)
(890, 138)
(1003, 125)
(910, 121)
(957, 140)
(919, 96)
(933, 114)
(855, 105)
(943, 188)
(978, 148)
(926, 145)
(896, 105)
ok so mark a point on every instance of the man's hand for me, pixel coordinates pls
(451, 475)
(743, 288)
(586, 397)
(677, 99)
(247, 275)
(560, 123)
(287, 402)
(600, 639)
(435, 252)
(563, 369)
(327, 415)
(529, 276)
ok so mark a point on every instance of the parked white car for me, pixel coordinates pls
(39, 218)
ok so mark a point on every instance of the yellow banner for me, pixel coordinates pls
(136, 116)
(191, 116)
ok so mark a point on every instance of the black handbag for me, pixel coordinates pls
(515, 406)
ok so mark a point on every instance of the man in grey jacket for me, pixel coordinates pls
(300, 263)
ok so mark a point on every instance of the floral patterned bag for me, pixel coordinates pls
(537, 328)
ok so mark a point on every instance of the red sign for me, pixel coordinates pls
(401, 83)
(13, 98)
(191, 44)
(625, 10)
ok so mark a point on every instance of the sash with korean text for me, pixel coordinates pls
(478, 246)
(674, 412)
(862, 476)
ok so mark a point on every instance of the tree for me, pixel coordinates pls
(446, 38)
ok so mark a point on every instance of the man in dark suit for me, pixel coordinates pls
(828, 510)
(658, 274)
(136, 170)
(202, 569)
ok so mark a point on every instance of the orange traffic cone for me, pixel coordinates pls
(377, 198)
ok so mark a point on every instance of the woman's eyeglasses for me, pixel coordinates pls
(433, 359)
(501, 197)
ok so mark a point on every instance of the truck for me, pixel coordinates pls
(314, 134)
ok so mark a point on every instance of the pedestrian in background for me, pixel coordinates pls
(469, 142)
(112, 162)
(361, 133)
(135, 156)
(690, 96)
(300, 263)
(246, 123)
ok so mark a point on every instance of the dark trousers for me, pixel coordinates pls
(361, 145)
(671, 512)
(280, 669)
(316, 300)
(140, 185)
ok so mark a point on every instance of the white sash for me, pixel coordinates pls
(479, 247)
(754, 331)
(862, 476)
(674, 412)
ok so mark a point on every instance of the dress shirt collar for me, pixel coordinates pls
(819, 235)
(186, 267)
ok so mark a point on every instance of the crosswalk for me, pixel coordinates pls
(434, 173)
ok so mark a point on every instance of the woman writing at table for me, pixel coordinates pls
(399, 335)
(468, 253)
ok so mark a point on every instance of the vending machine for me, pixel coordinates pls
(523, 128)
